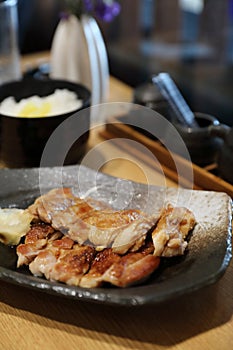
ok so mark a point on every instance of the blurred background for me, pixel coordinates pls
(192, 40)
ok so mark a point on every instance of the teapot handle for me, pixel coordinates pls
(219, 130)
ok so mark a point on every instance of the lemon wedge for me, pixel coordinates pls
(14, 224)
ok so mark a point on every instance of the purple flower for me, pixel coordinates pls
(107, 10)
(88, 5)
(64, 15)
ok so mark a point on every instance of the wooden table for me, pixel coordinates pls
(201, 320)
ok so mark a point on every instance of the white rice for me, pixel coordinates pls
(60, 102)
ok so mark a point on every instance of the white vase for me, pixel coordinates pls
(78, 54)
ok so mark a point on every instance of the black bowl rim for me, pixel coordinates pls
(73, 87)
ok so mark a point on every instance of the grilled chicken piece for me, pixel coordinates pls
(80, 267)
(72, 265)
(47, 257)
(52, 202)
(44, 262)
(133, 235)
(63, 262)
(117, 229)
(130, 269)
(130, 247)
(102, 262)
(171, 230)
(35, 240)
(61, 259)
(111, 267)
(38, 231)
(49, 206)
(27, 252)
(103, 228)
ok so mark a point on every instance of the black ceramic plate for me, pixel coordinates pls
(206, 259)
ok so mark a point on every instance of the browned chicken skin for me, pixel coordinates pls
(80, 221)
(63, 260)
(78, 244)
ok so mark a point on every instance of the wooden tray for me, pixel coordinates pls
(204, 178)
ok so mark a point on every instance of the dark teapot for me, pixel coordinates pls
(202, 144)
(206, 139)
(225, 157)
